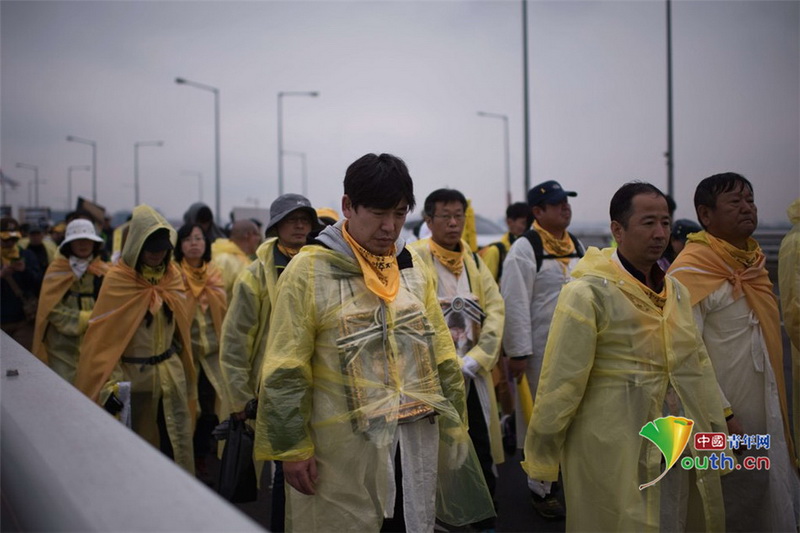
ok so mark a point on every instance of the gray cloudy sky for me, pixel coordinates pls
(405, 78)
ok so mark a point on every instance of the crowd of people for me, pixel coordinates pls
(387, 379)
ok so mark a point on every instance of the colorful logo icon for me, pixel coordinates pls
(671, 435)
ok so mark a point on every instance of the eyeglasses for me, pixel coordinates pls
(298, 220)
(457, 218)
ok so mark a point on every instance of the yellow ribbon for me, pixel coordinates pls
(453, 261)
(381, 272)
(555, 246)
(288, 252)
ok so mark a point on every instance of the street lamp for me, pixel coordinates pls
(136, 146)
(184, 81)
(93, 144)
(302, 156)
(35, 183)
(505, 138)
(69, 180)
(312, 94)
(199, 181)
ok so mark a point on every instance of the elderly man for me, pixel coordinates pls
(234, 254)
(244, 332)
(474, 312)
(623, 351)
(361, 382)
(737, 313)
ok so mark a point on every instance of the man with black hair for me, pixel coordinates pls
(536, 268)
(622, 352)
(737, 313)
(470, 301)
(140, 332)
(518, 220)
(362, 397)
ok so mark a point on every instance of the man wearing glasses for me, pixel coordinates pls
(474, 311)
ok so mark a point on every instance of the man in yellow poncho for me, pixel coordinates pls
(362, 396)
(623, 351)
(518, 220)
(474, 312)
(244, 332)
(140, 332)
(69, 291)
(789, 284)
(737, 314)
(233, 255)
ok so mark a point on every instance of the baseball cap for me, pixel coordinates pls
(549, 192)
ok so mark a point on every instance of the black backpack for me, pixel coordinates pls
(538, 249)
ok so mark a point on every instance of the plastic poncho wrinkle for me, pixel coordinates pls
(338, 377)
(789, 284)
(611, 366)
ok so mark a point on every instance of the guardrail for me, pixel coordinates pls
(69, 466)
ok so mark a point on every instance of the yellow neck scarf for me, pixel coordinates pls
(453, 261)
(153, 274)
(734, 257)
(553, 245)
(10, 255)
(288, 252)
(195, 277)
(381, 272)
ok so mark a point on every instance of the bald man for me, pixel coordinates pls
(234, 254)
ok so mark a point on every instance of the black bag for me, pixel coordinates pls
(237, 473)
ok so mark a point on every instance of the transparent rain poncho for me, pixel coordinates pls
(614, 362)
(343, 371)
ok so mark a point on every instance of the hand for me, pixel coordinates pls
(18, 266)
(470, 367)
(540, 488)
(302, 475)
(735, 427)
(457, 454)
(517, 367)
(241, 415)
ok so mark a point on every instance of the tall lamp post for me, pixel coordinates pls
(281, 94)
(669, 154)
(218, 188)
(93, 144)
(302, 156)
(136, 146)
(199, 181)
(69, 180)
(504, 118)
(35, 182)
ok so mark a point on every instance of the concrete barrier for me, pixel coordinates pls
(69, 466)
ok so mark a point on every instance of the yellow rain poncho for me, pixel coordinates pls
(341, 368)
(789, 285)
(118, 329)
(65, 304)
(614, 362)
(207, 303)
(493, 257)
(231, 260)
(244, 331)
(487, 350)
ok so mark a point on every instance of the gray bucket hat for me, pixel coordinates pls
(285, 205)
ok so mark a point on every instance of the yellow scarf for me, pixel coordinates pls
(736, 258)
(288, 252)
(153, 274)
(10, 255)
(195, 277)
(453, 261)
(381, 272)
(554, 246)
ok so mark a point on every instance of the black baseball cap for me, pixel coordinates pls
(549, 192)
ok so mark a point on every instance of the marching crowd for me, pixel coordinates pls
(384, 378)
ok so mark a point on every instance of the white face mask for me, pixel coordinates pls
(78, 266)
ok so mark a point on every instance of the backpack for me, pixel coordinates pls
(538, 249)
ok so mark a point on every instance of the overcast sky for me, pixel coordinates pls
(405, 78)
